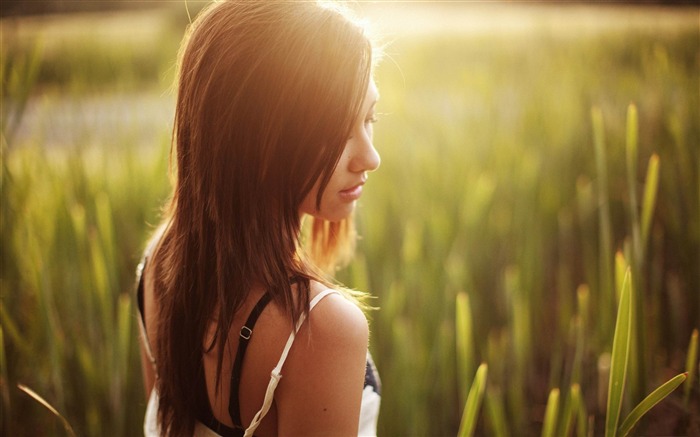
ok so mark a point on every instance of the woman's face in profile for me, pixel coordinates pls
(359, 157)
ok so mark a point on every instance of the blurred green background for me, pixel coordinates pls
(511, 195)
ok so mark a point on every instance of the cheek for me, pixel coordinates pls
(308, 206)
(331, 207)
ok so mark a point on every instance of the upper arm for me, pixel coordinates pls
(321, 388)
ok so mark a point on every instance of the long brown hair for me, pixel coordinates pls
(267, 95)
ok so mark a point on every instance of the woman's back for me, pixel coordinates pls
(317, 374)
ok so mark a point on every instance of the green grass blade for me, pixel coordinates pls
(582, 419)
(690, 361)
(605, 262)
(648, 403)
(620, 269)
(570, 410)
(105, 226)
(583, 302)
(582, 297)
(122, 347)
(550, 415)
(650, 188)
(632, 141)
(521, 319)
(603, 373)
(496, 413)
(471, 409)
(620, 356)
(631, 155)
(465, 350)
(9, 327)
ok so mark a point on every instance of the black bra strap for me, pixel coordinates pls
(246, 331)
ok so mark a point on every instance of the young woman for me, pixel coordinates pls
(242, 332)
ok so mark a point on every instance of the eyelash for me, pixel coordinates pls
(369, 120)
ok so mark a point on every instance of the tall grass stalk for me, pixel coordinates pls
(474, 401)
(690, 366)
(465, 345)
(651, 187)
(620, 356)
(621, 267)
(549, 426)
(631, 154)
(570, 412)
(581, 327)
(520, 334)
(496, 413)
(605, 281)
(638, 346)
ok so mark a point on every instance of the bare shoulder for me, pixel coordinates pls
(324, 374)
(335, 318)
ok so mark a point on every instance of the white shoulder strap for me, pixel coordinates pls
(146, 343)
(276, 372)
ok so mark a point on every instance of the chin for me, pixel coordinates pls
(336, 214)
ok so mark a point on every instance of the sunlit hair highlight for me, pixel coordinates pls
(267, 95)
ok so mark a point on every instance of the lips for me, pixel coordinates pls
(352, 193)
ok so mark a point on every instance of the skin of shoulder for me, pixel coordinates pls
(322, 380)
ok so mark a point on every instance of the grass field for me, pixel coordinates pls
(530, 154)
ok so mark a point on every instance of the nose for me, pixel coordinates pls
(365, 156)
